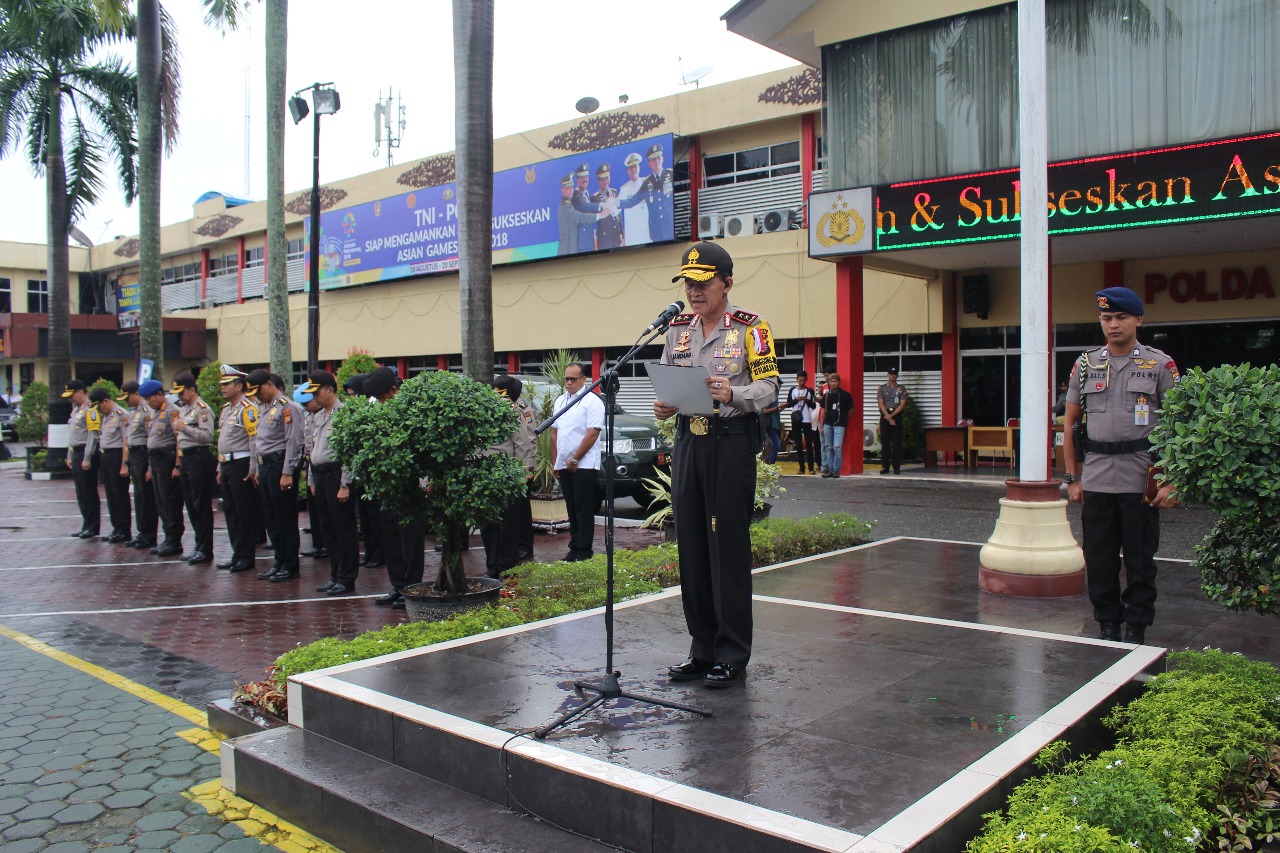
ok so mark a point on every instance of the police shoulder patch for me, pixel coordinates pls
(288, 415)
(745, 317)
(202, 404)
(683, 319)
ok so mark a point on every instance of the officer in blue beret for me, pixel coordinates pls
(1118, 389)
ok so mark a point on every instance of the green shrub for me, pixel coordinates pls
(1216, 443)
(357, 361)
(209, 389)
(112, 388)
(38, 459)
(1194, 753)
(33, 418)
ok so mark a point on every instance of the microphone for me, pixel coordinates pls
(665, 318)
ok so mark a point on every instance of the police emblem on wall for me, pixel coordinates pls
(841, 223)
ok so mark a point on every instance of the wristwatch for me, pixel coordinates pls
(1070, 478)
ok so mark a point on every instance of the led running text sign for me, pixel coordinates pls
(1208, 180)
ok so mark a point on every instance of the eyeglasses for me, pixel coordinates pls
(574, 378)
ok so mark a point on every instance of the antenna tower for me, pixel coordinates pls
(388, 123)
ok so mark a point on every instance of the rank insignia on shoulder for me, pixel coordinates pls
(288, 415)
(202, 404)
(683, 320)
(745, 317)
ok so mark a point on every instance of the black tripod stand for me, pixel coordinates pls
(608, 688)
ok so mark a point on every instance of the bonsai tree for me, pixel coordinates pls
(1216, 441)
(420, 455)
(33, 415)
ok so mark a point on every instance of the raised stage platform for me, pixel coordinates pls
(864, 724)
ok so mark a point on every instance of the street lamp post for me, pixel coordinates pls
(325, 101)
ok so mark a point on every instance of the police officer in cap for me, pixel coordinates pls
(658, 188)
(331, 486)
(403, 540)
(315, 509)
(237, 468)
(193, 424)
(135, 459)
(1119, 387)
(713, 470)
(609, 228)
(572, 221)
(581, 201)
(108, 439)
(162, 466)
(83, 419)
(279, 445)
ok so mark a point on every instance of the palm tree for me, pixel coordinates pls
(54, 82)
(473, 140)
(277, 35)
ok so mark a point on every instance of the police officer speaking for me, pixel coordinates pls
(713, 470)
(1119, 387)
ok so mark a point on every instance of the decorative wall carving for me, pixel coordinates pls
(804, 88)
(429, 173)
(604, 130)
(127, 249)
(301, 204)
(219, 225)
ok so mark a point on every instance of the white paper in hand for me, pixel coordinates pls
(682, 387)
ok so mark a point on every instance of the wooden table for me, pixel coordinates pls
(952, 439)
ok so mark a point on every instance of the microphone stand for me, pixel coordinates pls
(608, 687)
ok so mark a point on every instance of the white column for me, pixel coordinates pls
(1033, 98)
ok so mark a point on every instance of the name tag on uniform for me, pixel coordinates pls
(1141, 414)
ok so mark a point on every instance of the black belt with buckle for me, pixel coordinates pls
(1114, 448)
(273, 456)
(137, 448)
(326, 467)
(161, 451)
(705, 425)
(77, 448)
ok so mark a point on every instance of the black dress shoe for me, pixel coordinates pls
(226, 565)
(722, 675)
(198, 557)
(266, 575)
(319, 553)
(373, 563)
(399, 604)
(167, 550)
(326, 587)
(1135, 633)
(282, 575)
(87, 534)
(241, 567)
(340, 589)
(1109, 631)
(390, 598)
(79, 534)
(118, 538)
(691, 670)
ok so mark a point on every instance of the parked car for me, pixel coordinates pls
(8, 422)
(638, 447)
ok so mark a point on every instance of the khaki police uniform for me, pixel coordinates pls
(195, 466)
(144, 496)
(108, 441)
(502, 538)
(280, 445)
(83, 419)
(714, 478)
(237, 426)
(162, 459)
(1121, 397)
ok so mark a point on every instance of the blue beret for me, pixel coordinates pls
(1120, 299)
(151, 386)
(301, 396)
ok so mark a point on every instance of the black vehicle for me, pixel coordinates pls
(8, 422)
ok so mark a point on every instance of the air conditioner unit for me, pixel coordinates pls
(710, 225)
(870, 441)
(739, 225)
(777, 220)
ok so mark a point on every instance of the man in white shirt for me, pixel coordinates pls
(576, 450)
(635, 212)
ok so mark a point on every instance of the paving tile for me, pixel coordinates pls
(79, 813)
(128, 799)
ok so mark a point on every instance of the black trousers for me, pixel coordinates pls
(168, 492)
(87, 490)
(579, 490)
(806, 443)
(1115, 523)
(715, 476)
(526, 529)
(196, 475)
(891, 444)
(117, 490)
(403, 546)
(502, 538)
(339, 519)
(371, 527)
(281, 513)
(240, 507)
(144, 496)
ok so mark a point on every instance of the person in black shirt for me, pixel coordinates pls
(834, 410)
(800, 401)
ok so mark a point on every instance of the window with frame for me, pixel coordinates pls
(254, 257)
(223, 265)
(37, 296)
(296, 250)
(6, 296)
(753, 164)
(180, 273)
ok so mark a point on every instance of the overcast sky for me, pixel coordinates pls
(548, 54)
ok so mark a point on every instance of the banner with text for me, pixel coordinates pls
(604, 199)
(1206, 180)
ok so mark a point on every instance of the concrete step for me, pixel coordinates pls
(360, 803)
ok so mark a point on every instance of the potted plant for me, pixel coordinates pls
(1216, 442)
(33, 426)
(419, 455)
(548, 504)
